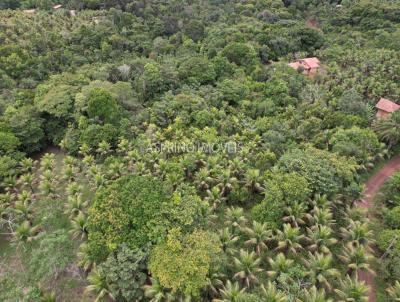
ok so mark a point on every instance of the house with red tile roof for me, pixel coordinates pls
(385, 108)
(310, 66)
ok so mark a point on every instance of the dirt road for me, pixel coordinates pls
(372, 188)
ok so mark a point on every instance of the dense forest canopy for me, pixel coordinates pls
(166, 151)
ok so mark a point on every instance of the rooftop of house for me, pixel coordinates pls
(307, 63)
(387, 105)
(57, 6)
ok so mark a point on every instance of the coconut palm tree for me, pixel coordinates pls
(289, 239)
(47, 162)
(320, 238)
(84, 259)
(388, 130)
(357, 233)
(156, 293)
(394, 292)
(271, 294)
(352, 290)
(321, 216)
(79, 227)
(26, 232)
(279, 265)
(98, 285)
(27, 165)
(356, 258)
(321, 272)
(230, 292)
(247, 267)
(258, 236)
(214, 198)
(124, 146)
(104, 148)
(27, 180)
(252, 181)
(73, 188)
(75, 205)
(226, 181)
(314, 295)
(295, 214)
(234, 218)
(228, 240)
(23, 209)
(202, 179)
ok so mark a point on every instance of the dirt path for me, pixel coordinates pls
(372, 188)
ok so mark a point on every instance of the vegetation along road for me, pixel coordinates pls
(372, 188)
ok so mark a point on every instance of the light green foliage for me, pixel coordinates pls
(56, 101)
(183, 262)
(281, 190)
(125, 269)
(129, 211)
(197, 71)
(362, 144)
(102, 106)
(8, 143)
(52, 255)
(392, 218)
(325, 172)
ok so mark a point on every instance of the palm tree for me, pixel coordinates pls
(289, 239)
(228, 240)
(271, 294)
(226, 182)
(356, 258)
(79, 227)
(73, 188)
(202, 179)
(279, 265)
(295, 214)
(27, 180)
(99, 285)
(230, 292)
(320, 270)
(352, 290)
(252, 181)
(123, 147)
(47, 162)
(247, 267)
(394, 292)
(258, 236)
(27, 164)
(388, 130)
(214, 197)
(84, 259)
(215, 282)
(26, 233)
(23, 209)
(320, 238)
(156, 293)
(321, 216)
(357, 233)
(104, 148)
(234, 218)
(314, 295)
(75, 206)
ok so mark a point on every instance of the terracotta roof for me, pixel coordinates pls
(295, 65)
(387, 105)
(312, 62)
(307, 63)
